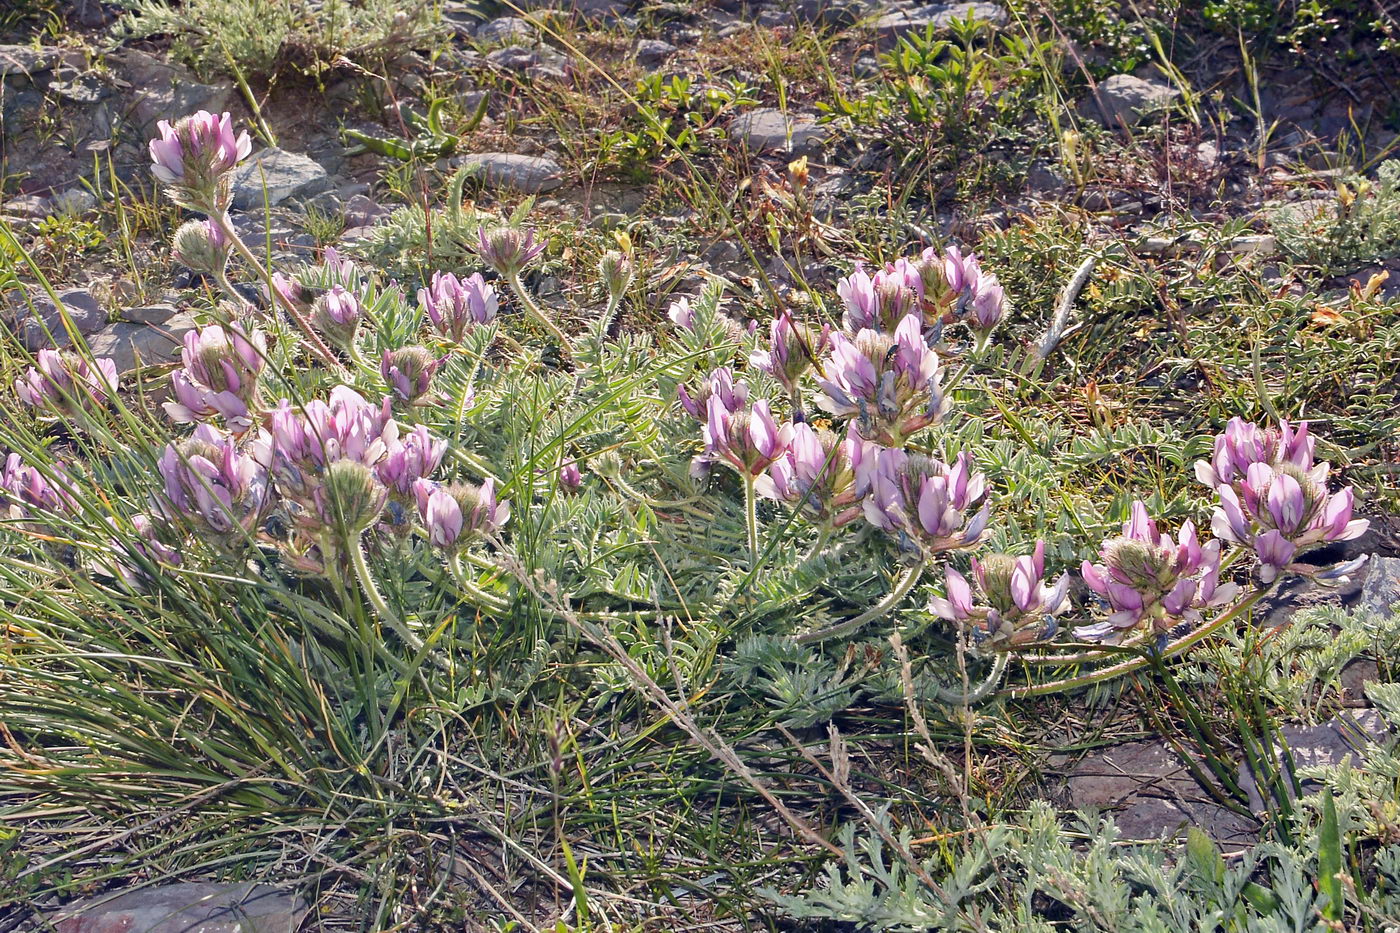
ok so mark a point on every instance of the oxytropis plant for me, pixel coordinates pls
(835, 419)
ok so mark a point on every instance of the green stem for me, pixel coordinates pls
(317, 344)
(1127, 667)
(751, 518)
(982, 690)
(356, 552)
(535, 311)
(901, 589)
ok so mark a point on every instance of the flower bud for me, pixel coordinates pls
(455, 305)
(350, 498)
(615, 269)
(200, 245)
(409, 371)
(336, 316)
(507, 249)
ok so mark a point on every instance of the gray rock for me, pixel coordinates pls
(73, 201)
(1380, 592)
(527, 174)
(1153, 794)
(87, 316)
(187, 907)
(165, 91)
(897, 23)
(837, 14)
(1128, 99)
(520, 58)
(26, 60)
(1343, 736)
(150, 314)
(361, 211)
(30, 206)
(80, 89)
(767, 130)
(1256, 245)
(133, 345)
(505, 29)
(654, 51)
(285, 174)
(255, 229)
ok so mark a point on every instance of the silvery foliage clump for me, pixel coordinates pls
(1357, 227)
(1018, 875)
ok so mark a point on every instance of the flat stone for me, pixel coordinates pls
(767, 130)
(1344, 736)
(73, 201)
(165, 91)
(188, 907)
(505, 29)
(133, 345)
(31, 206)
(28, 61)
(896, 24)
(654, 51)
(285, 174)
(1380, 591)
(1128, 99)
(526, 174)
(1152, 794)
(150, 314)
(1255, 245)
(837, 14)
(361, 211)
(87, 316)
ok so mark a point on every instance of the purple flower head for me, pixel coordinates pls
(1151, 580)
(341, 269)
(291, 292)
(1015, 604)
(23, 487)
(408, 458)
(220, 377)
(570, 477)
(301, 444)
(682, 315)
(792, 348)
(857, 292)
(193, 157)
(746, 439)
(210, 482)
(721, 385)
(409, 371)
(889, 386)
(1244, 444)
(1283, 510)
(64, 383)
(336, 315)
(201, 245)
(986, 308)
(127, 552)
(508, 250)
(457, 513)
(814, 474)
(925, 504)
(454, 305)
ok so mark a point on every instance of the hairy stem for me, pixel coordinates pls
(536, 312)
(317, 344)
(751, 518)
(1127, 667)
(901, 589)
(381, 608)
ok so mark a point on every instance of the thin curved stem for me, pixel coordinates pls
(381, 608)
(536, 312)
(982, 690)
(276, 296)
(901, 589)
(1127, 667)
